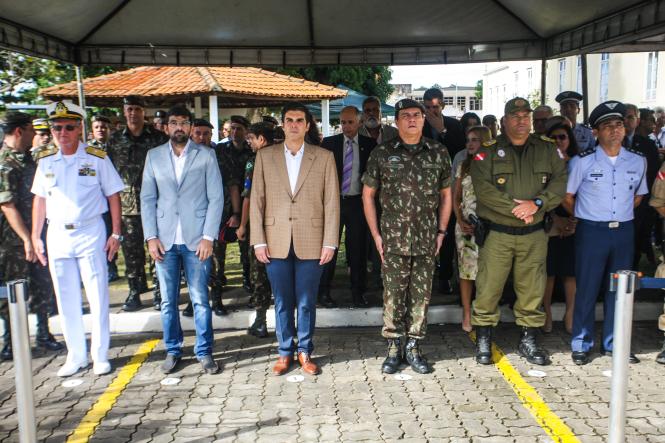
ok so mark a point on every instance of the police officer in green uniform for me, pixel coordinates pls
(127, 149)
(517, 178)
(17, 254)
(413, 175)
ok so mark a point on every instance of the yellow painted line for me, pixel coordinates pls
(548, 420)
(96, 414)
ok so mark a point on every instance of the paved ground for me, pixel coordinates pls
(350, 401)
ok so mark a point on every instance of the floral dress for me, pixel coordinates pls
(467, 249)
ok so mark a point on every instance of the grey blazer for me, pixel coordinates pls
(198, 200)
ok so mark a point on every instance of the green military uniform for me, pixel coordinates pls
(502, 172)
(410, 178)
(113, 269)
(261, 293)
(657, 200)
(128, 154)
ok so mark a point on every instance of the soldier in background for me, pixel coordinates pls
(657, 201)
(569, 106)
(17, 254)
(127, 150)
(413, 176)
(159, 121)
(42, 133)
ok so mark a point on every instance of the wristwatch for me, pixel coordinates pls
(538, 202)
(118, 237)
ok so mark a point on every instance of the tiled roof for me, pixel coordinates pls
(164, 81)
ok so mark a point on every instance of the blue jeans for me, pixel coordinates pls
(197, 272)
(295, 284)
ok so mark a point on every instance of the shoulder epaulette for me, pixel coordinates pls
(47, 152)
(489, 143)
(587, 152)
(547, 139)
(99, 153)
(635, 151)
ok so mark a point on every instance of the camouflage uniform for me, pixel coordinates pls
(128, 155)
(113, 268)
(410, 179)
(261, 294)
(17, 171)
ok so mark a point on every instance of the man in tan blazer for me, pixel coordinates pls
(294, 229)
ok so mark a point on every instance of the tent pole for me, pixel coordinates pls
(585, 88)
(543, 81)
(198, 112)
(79, 84)
(325, 117)
(214, 117)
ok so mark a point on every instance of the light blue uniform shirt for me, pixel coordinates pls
(605, 191)
(584, 137)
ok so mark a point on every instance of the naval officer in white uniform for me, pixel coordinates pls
(74, 185)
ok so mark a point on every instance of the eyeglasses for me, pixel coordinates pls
(68, 128)
(560, 137)
(183, 124)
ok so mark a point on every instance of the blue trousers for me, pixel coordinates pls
(294, 284)
(599, 251)
(197, 272)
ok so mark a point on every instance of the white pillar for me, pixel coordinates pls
(198, 112)
(214, 116)
(79, 84)
(325, 117)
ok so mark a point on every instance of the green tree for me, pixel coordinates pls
(479, 89)
(368, 80)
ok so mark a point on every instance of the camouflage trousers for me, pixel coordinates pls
(133, 248)
(218, 264)
(407, 289)
(13, 266)
(245, 256)
(261, 296)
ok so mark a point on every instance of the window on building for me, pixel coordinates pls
(529, 79)
(461, 103)
(475, 104)
(516, 83)
(652, 75)
(448, 101)
(579, 74)
(604, 76)
(562, 74)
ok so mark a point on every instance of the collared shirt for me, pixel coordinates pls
(356, 186)
(605, 191)
(179, 166)
(293, 163)
(386, 133)
(584, 136)
(76, 190)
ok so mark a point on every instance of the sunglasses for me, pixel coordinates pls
(68, 128)
(560, 137)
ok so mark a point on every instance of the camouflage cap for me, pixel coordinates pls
(407, 103)
(517, 104)
(14, 119)
(605, 111)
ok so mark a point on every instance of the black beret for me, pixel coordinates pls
(161, 114)
(605, 111)
(101, 118)
(202, 122)
(407, 103)
(134, 100)
(239, 119)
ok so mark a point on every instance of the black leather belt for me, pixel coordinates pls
(349, 197)
(515, 230)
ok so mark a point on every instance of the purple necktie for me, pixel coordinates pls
(347, 171)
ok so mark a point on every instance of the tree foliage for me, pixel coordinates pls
(368, 80)
(479, 89)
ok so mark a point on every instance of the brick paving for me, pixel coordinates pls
(350, 401)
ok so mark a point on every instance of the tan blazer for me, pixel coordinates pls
(309, 217)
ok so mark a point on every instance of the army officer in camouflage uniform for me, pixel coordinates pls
(413, 175)
(517, 178)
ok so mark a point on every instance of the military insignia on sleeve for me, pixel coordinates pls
(635, 151)
(500, 181)
(480, 156)
(547, 139)
(501, 153)
(661, 175)
(489, 143)
(99, 153)
(587, 152)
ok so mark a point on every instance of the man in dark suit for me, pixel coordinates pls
(351, 151)
(446, 130)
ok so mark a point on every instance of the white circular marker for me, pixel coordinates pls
(536, 373)
(403, 377)
(74, 382)
(295, 378)
(170, 381)
(607, 373)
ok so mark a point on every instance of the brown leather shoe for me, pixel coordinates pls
(283, 364)
(307, 364)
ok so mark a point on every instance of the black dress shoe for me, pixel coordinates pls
(208, 364)
(48, 342)
(484, 345)
(632, 358)
(580, 357)
(359, 300)
(259, 328)
(132, 303)
(414, 358)
(394, 359)
(6, 354)
(326, 301)
(189, 310)
(157, 303)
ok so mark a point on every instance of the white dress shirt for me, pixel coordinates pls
(293, 163)
(178, 167)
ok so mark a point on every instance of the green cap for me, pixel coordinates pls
(517, 104)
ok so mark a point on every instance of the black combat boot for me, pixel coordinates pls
(484, 345)
(133, 302)
(44, 338)
(259, 328)
(528, 348)
(394, 359)
(414, 357)
(6, 354)
(189, 310)
(246, 280)
(156, 296)
(660, 358)
(217, 304)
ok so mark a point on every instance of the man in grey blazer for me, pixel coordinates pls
(181, 208)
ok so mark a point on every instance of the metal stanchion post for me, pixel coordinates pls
(625, 283)
(17, 296)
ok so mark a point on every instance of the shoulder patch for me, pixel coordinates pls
(489, 143)
(99, 153)
(587, 152)
(547, 139)
(46, 152)
(635, 151)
